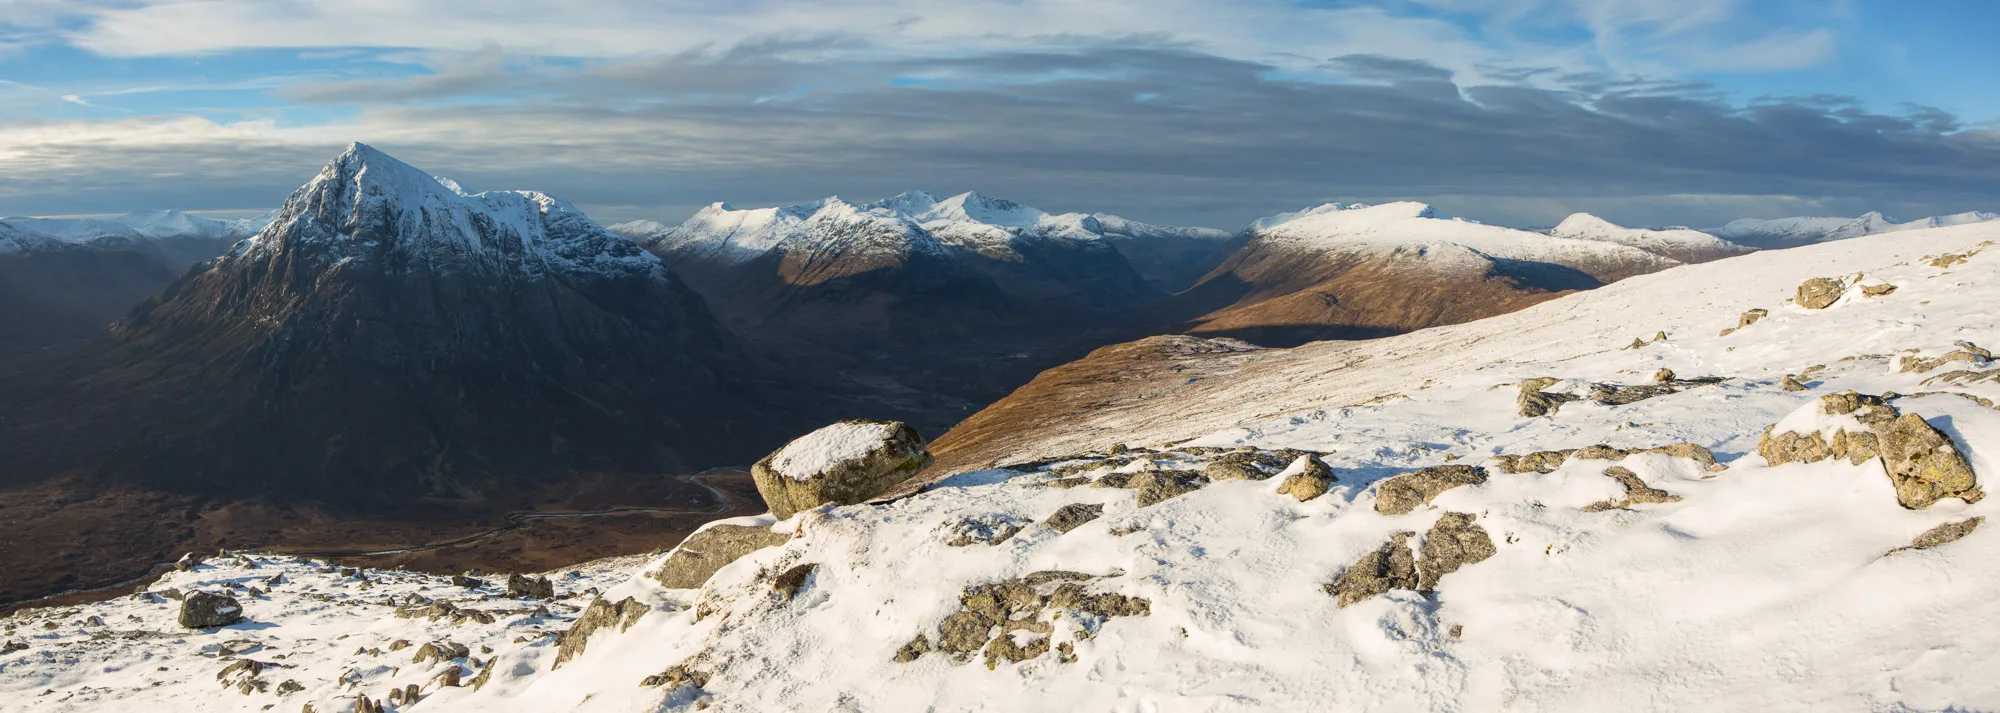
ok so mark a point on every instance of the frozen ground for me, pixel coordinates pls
(1735, 587)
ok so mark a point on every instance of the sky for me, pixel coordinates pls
(1516, 112)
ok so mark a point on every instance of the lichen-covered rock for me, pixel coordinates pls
(1242, 465)
(1877, 289)
(676, 676)
(598, 616)
(1306, 478)
(1112, 480)
(1946, 533)
(913, 650)
(984, 530)
(440, 651)
(1537, 462)
(702, 553)
(842, 464)
(1636, 492)
(1156, 486)
(1792, 383)
(1404, 493)
(1751, 317)
(1819, 293)
(202, 610)
(530, 587)
(1390, 566)
(1072, 516)
(1535, 402)
(1455, 541)
(1966, 352)
(990, 614)
(1664, 375)
(1921, 462)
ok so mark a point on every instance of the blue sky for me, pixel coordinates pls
(1184, 111)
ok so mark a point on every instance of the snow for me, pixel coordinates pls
(1788, 232)
(21, 234)
(812, 454)
(1671, 242)
(1763, 588)
(1411, 227)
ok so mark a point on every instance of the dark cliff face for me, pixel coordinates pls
(389, 337)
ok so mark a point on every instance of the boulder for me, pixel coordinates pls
(1404, 493)
(598, 616)
(1819, 293)
(1242, 465)
(842, 464)
(1072, 516)
(459, 580)
(440, 651)
(187, 562)
(1751, 317)
(1455, 541)
(1390, 566)
(1534, 402)
(705, 552)
(1306, 478)
(530, 587)
(201, 610)
(1636, 492)
(788, 583)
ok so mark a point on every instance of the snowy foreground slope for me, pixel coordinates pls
(1734, 586)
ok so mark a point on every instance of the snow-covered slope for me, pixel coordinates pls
(1681, 244)
(1354, 271)
(1792, 232)
(1614, 578)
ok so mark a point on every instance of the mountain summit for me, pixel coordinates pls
(389, 335)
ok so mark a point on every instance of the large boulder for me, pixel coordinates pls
(698, 558)
(842, 464)
(1922, 462)
(202, 610)
(1819, 293)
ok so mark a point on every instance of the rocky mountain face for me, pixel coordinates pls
(389, 336)
(1793, 232)
(64, 280)
(1357, 271)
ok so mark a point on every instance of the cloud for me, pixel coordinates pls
(1214, 140)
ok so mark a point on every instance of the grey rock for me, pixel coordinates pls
(1072, 516)
(1309, 479)
(898, 456)
(1819, 293)
(1404, 493)
(788, 583)
(984, 530)
(703, 553)
(1455, 541)
(201, 610)
(1388, 567)
(1946, 533)
(530, 587)
(459, 580)
(1636, 492)
(1156, 486)
(440, 651)
(600, 615)
(188, 561)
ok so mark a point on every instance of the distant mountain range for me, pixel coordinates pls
(1793, 232)
(63, 280)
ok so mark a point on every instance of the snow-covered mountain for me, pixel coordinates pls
(1792, 232)
(1644, 541)
(468, 340)
(1683, 244)
(164, 226)
(1344, 271)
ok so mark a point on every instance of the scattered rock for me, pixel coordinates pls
(201, 610)
(1636, 343)
(187, 562)
(913, 650)
(843, 464)
(290, 687)
(1948, 260)
(788, 583)
(486, 674)
(1537, 462)
(1390, 566)
(1113, 480)
(599, 615)
(1636, 492)
(1156, 486)
(1946, 533)
(440, 652)
(1535, 402)
(1819, 293)
(1751, 317)
(1072, 516)
(13, 646)
(1242, 465)
(1404, 493)
(703, 553)
(990, 614)
(449, 678)
(399, 645)
(530, 587)
(1792, 383)
(1664, 376)
(1877, 289)
(459, 580)
(443, 610)
(1306, 478)
(1966, 352)
(984, 530)
(1455, 541)
(676, 676)
(1922, 462)
(1064, 483)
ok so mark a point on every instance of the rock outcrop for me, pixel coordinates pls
(1306, 478)
(1455, 541)
(600, 615)
(711, 549)
(1388, 567)
(1922, 462)
(1819, 293)
(530, 587)
(842, 464)
(990, 614)
(1073, 515)
(1404, 493)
